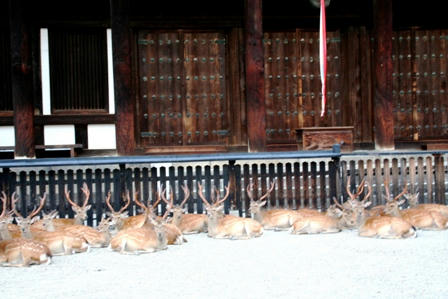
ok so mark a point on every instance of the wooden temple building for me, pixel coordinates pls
(145, 77)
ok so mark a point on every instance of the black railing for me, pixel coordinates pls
(304, 178)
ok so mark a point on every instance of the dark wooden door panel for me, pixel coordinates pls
(182, 97)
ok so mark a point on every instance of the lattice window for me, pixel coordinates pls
(78, 69)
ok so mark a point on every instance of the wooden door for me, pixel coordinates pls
(420, 84)
(183, 97)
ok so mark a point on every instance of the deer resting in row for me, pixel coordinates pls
(59, 242)
(222, 226)
(187, 223)
(19, 252)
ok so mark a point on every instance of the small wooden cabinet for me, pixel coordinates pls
(323, 138)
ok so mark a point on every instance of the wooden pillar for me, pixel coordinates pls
(383, 113)
(21, 80)
(124, 97)
(255, 102)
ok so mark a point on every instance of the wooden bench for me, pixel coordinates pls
(323, 138)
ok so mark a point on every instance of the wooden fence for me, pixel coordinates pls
(304, 179)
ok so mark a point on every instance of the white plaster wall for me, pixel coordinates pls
(7, 136)
(102, 136)
(45, 71)
(59, 134)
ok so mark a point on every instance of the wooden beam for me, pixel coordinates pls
(383, 115)
(124, 96)
(255, 102)
(21, 80)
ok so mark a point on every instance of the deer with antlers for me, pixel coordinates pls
(79, 210)
(19, 252)
(187, 223)
(274, 219)
(222, 226)
(385, 226)
(149, 237)
(59, 242)
(420, 218)
(94, 237)
(433, 207)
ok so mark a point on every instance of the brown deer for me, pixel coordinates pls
(274, 219)
(80, 211)
(187, 223)
(426, 219)
(222, 226)
(336, 219)
(59, 242)
(19, 252)
(386, 227)
(93, 237)
(140, 240)
(433, 207)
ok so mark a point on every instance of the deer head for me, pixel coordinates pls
(353, 201)
(25, 222)
(215, 210)
(393, 203)
(412, 199)
(177, 209)
(255, 206)
(117, 217)
(80, 211)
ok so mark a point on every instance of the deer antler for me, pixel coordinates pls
(67, 196)
(405, 189)
(186, 194)
(139, 203)
(219, 201)
(201, 195)
(169, 203)
(369, 188)
(269, 190)
(250, 190)
(86, 191)
(358, 191)
(336, 202)
(4, 198)
(15, 198)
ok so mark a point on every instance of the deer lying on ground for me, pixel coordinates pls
(222, 226)
(59, 242)
(386, 227)
(187, 223)
(426, 219)
(94, 237)
(80, 211)
(149, 237)
(433, 207)
(19, 252)
(274, 219)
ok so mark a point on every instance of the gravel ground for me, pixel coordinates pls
(275, 265)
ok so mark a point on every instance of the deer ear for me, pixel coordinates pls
(124, 214)
(401, 202)
(88, 207)
(263, 203)
(34, 219)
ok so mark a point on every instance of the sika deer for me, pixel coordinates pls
(19, 252)
(187, 223)
(274, 219)
(386, 227)
(93, 237)
(426, 219)
(433, 207)
(80, 211)
(228, 227)
(59, 242)
(140, 240)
